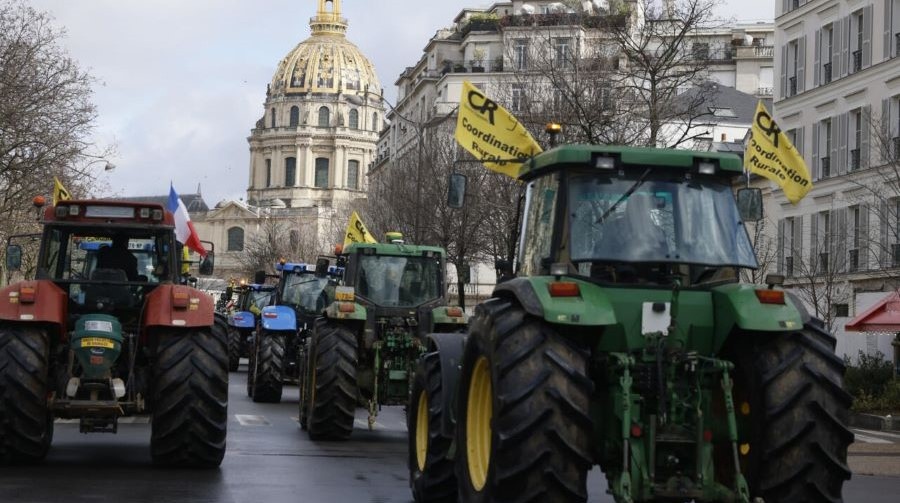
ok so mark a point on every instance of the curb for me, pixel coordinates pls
(873, 422)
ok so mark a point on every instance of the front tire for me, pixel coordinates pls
(523, 425)
(802, 412)
(26, 423)
(333, 390)
(230, 334)
(190, 400)
(431, 475)
(269, 367)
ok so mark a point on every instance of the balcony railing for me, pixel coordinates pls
(754, 51)
(765, 92)
(895, 255)
(472, 65)
(826, 77)
(792, 86)
(854, 159)
(789, 266)
(823, 263)
(895, 142)
(825, 164)
(896, 44)
(857, 61)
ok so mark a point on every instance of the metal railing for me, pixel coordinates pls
(896, 44)
(823, 262)
(792, 86)
(857, 60)
(895, 255)
(854, 159)
(825, 165)
(895, 142)
(826, 77)
(765, 91)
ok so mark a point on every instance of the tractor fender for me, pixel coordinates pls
(41, 302)
(450, 349)
(736, 305)
(591, 307)
(242, 319)
(440, 317)
(278, 318)
(171, 305)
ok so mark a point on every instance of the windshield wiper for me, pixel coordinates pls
(626, 195)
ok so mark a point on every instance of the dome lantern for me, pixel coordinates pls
(328, 20)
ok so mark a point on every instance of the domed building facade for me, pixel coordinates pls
(309, 153)
(323, 113)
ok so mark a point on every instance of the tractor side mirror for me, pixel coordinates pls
(456, 190)
(750, 205)
(322, 267)
(208, 264)
(259, 277)
(13, 257)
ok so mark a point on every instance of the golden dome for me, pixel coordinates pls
(326, 62)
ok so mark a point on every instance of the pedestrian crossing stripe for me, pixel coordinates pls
(251, 420)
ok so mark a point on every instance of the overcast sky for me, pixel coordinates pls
(183, 82)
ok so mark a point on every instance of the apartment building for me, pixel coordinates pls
(837, 97)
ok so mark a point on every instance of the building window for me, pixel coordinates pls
(520, 52)
(824, 244)
(841, 310)
(290, 172)
(827, 51)
(354, 119)
(322, 172)
(700, 51)
(793, 65)
(518, 97)
(353, 175)
(295, 116)
(856, 43)
(324, 117)
(825, 142)
(235, 239)
(272, 117)
(856, 120)
(268, 172)
(791, 228)
(562, 51)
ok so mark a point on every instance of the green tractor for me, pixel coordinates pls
(363, 351)
(628, 342)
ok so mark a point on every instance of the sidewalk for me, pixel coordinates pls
(875, 453)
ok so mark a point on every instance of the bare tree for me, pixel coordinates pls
(766, 252)
(46, 116)
(662, 58)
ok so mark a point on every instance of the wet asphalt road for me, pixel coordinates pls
(269, 460)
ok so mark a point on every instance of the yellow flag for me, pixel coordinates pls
(357, 232)
(490, 133)
(770, 154)
(59, 192)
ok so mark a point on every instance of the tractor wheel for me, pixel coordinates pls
(431, 476)
(26, 423)
(303, 380)
(234, 342)
(190, 399)
(797, 449)
(523, 429)
(251, 368)
(332, 397)
(268, 368)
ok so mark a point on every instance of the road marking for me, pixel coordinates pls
(364, 423)
(122, 420)
(883, 434)
(249, 420)
(867, 439)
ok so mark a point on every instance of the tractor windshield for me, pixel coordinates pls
(396, 281)
(306, 291)
(656, 217)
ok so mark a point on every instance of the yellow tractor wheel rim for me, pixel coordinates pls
(478, 424)
(422, 431)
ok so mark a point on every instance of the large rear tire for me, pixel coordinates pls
(799, 412)
(269, 367)
(303, 381)
(234, 342)
(26, 423)
(190, 399)
(431, 475)
(333, 390)
(523, 426)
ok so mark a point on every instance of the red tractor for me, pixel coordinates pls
(106, 330)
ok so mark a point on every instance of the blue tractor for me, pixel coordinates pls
(302, 294)
(242, 320)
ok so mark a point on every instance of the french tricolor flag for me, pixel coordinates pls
(184, 229)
